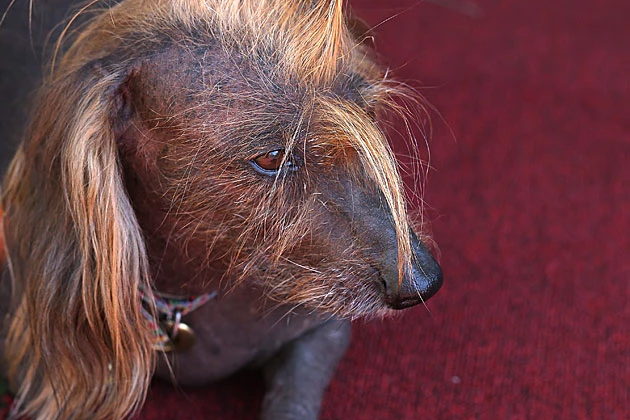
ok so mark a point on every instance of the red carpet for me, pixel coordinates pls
(531, 210)
(530, 204)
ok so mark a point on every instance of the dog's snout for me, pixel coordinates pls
(421, 283)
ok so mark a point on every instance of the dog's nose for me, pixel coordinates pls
(424, 280)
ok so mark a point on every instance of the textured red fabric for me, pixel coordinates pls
(530, 206)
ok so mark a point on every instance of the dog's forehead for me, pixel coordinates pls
(208, 82)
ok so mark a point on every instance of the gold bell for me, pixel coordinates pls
(181, 336)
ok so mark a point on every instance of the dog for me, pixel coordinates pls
(204, 186)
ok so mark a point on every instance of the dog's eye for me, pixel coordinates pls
(271, 162)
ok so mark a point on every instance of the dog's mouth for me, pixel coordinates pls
(404, 304)
(361, 291)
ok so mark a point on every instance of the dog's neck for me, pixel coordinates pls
(179, 266)
(164, 313)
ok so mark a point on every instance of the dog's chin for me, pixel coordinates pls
(353, 295)
(376, 312)
(371, 304)
(367, 304)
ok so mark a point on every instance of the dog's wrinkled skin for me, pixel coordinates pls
(197, 146)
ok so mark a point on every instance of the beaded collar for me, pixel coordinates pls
(169, 333)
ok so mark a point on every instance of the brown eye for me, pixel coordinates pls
(271, 162)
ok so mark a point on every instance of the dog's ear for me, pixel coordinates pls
(78, 345)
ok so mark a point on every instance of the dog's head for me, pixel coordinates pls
(189, 146)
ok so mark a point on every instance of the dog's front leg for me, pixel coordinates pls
(298, 375)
